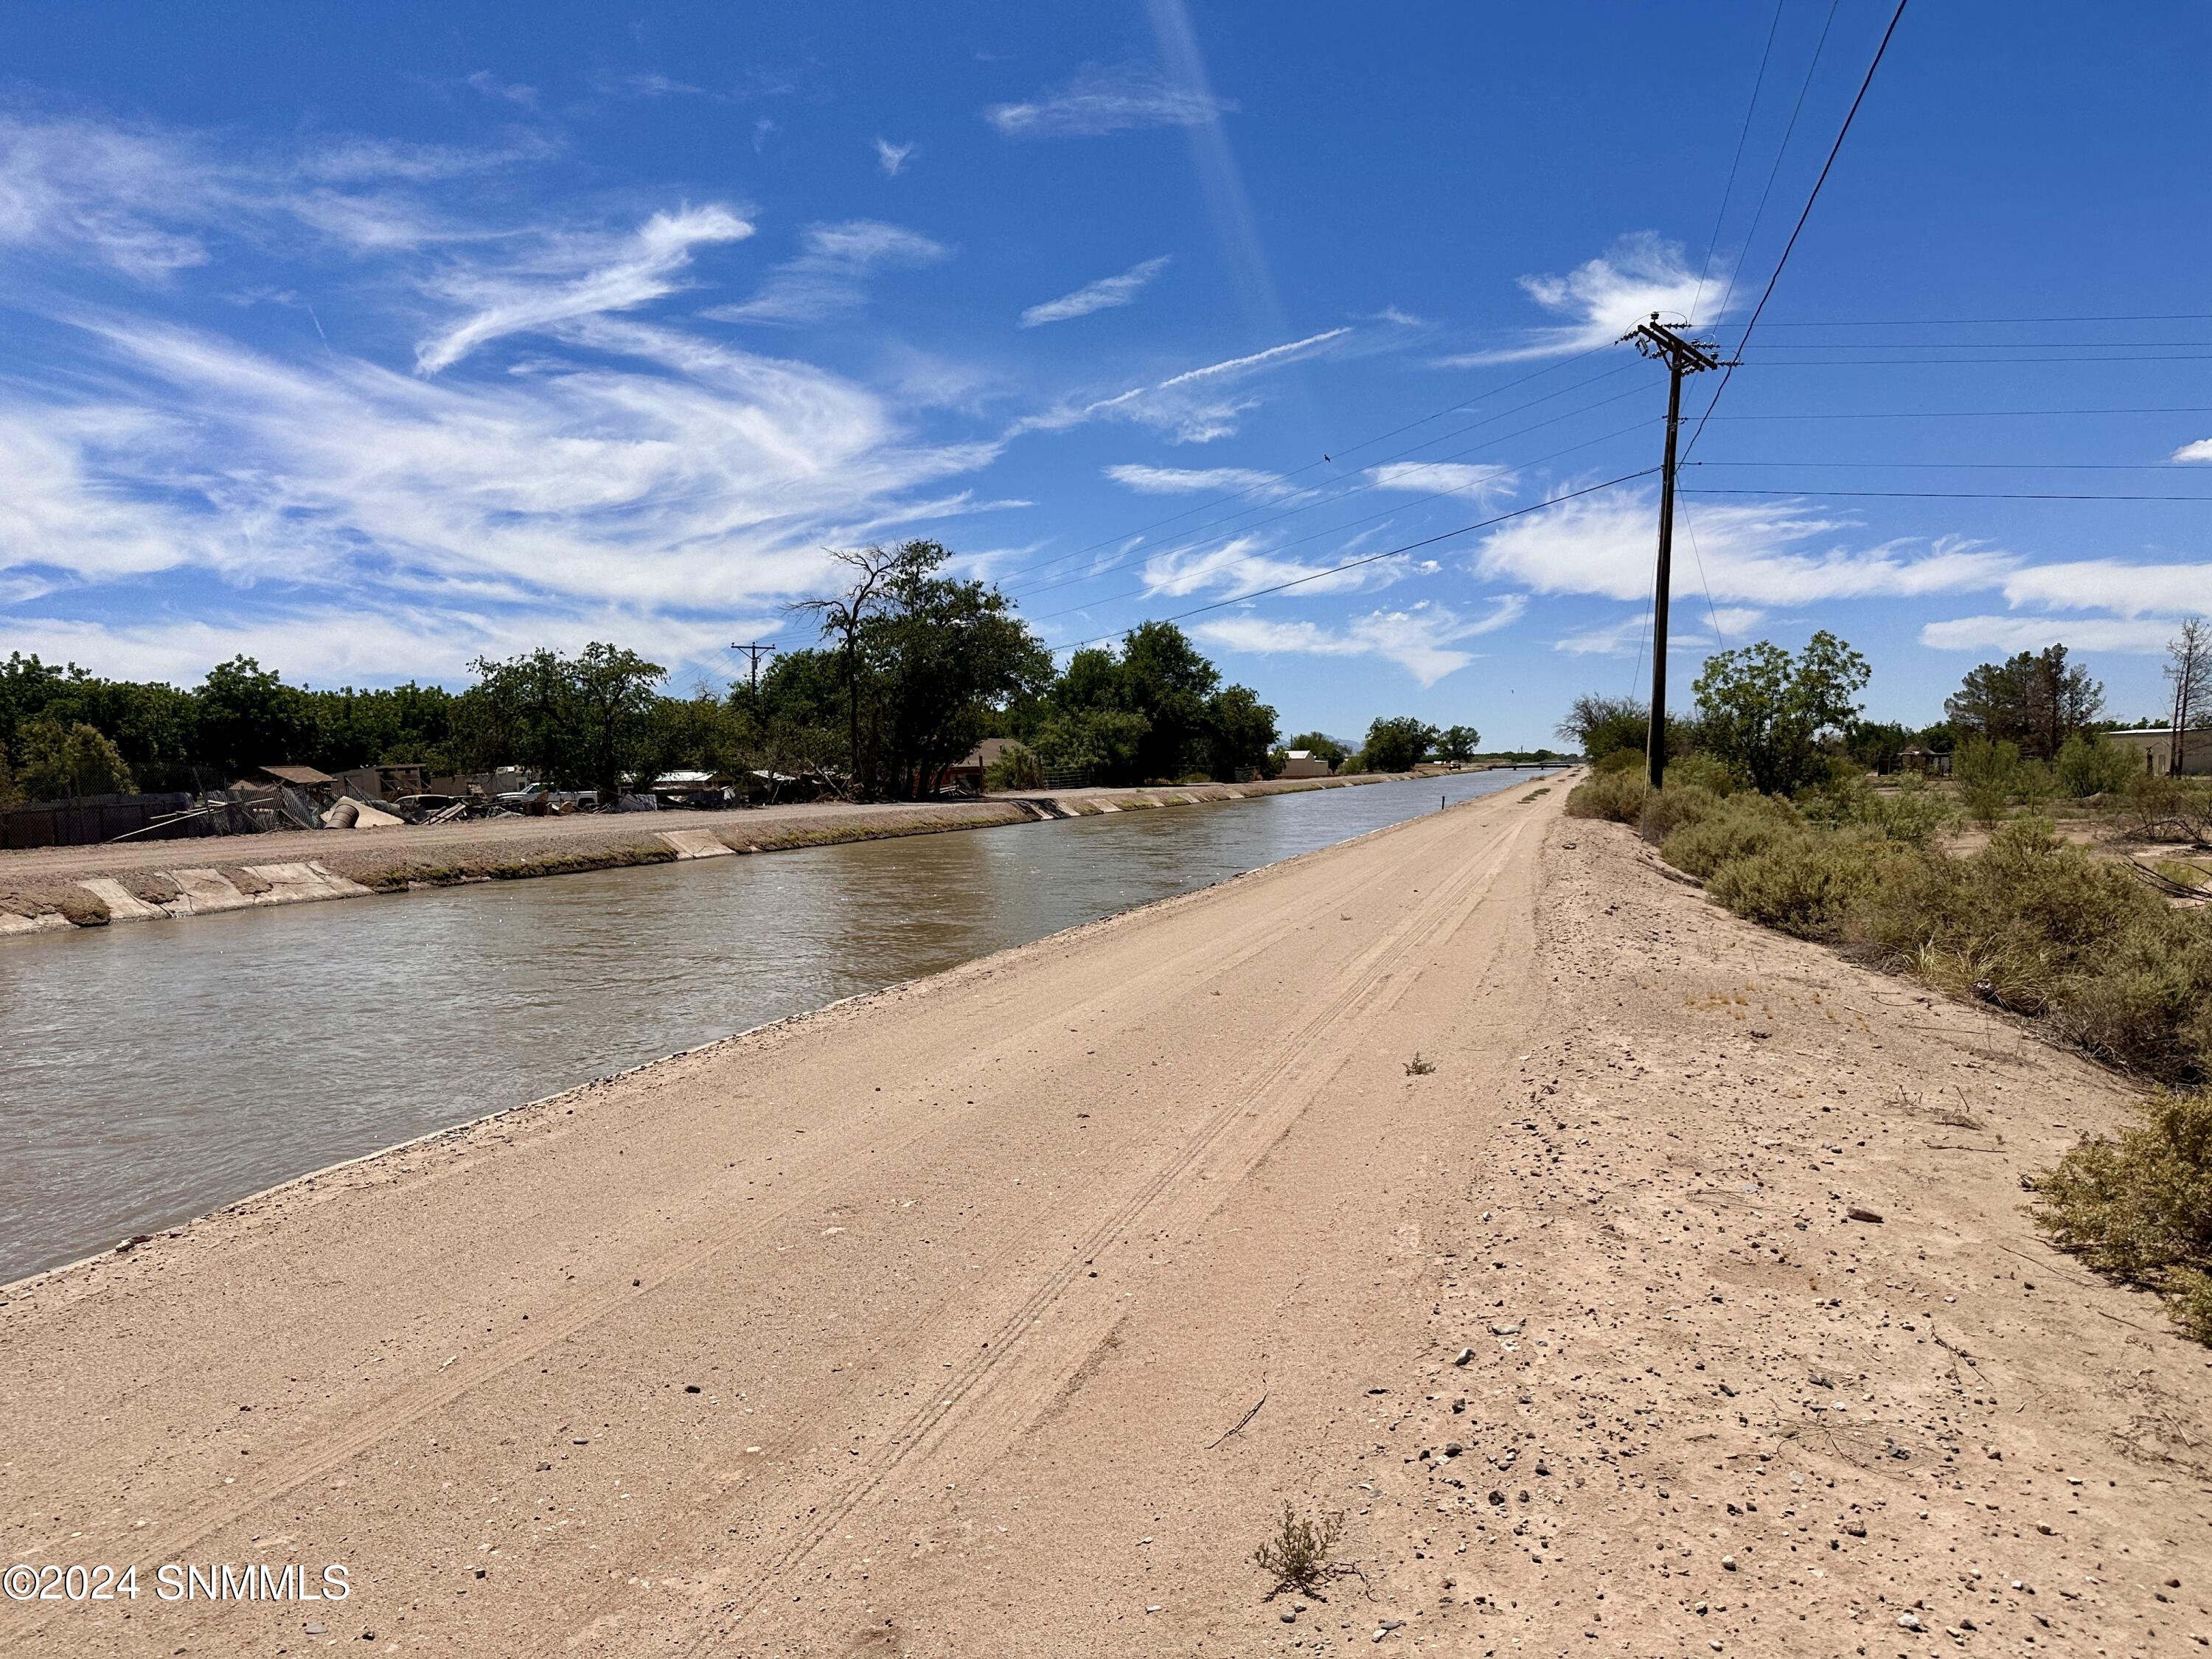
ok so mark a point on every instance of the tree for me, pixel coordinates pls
(1240, 730)
(1600, 726)
(2189, 666)
(61, 762)
(1764, 713)
(1397, 744)
(247, 717)
(844, 616)
(1458, 743)
(582, 722)
(1166, 679)
(2034, 700)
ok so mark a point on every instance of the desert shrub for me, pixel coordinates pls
(1667, 810)
(2140, 1206)
(2087, 765)
(1702, 771)
(2035, 785)
(2144, 999)
(1804, 882)
(1017, 767)
(1296, 1556)
(1910, 813)
(2159, 808)
(1621, 760)
(1737, 828)
(1615, 795)
(1988, 775)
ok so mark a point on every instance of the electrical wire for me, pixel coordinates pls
(1951, 494)
(1797, 230)
(1728, 192)
(1963, 414)
(1782, 150)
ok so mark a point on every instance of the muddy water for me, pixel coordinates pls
(154, 1071)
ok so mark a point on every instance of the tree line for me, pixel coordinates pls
(911, 668)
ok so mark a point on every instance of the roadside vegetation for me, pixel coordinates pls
(1968, 885)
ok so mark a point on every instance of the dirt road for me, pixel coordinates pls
(1001, 1314)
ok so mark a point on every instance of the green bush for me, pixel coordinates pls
(1737, 828)
(1912, 812)
(1803, 883)
(1621, 760)
(2140, 1207)
(1667, 810)
(1017, 767)
(1988, 775)
(2087, 765)
(1702, 771)
(2144, 999)
(1615, 795)
(2161, 808)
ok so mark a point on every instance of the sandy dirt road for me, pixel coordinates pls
(936, 1323)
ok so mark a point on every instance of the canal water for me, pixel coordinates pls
(152, 1071)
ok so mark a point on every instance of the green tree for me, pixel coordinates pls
(1765, 713)
(246, 718)
(1600, 726)
(1166, 679)
(1397, 744)
(1458, 743)
(2036, 700)
(2087, 765)
(61, 762)
(1322, 745)
(1240, 730)
(582, 722)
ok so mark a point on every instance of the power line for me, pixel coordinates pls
(1774, 172)
(1979, 466)
(1956, 495)
(1797, 230)
(1899, 362)
(1947, 322)
(1964, 414)
(1388, 553)
(1713, 242)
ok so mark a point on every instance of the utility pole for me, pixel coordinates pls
(1655, 339)
(754, 652)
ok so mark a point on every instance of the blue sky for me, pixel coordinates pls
(366, 340)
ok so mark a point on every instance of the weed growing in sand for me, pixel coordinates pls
(1297, 1555)
(2140, 1207)
(1418, 1068)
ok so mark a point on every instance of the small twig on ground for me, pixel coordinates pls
(1239, 1423)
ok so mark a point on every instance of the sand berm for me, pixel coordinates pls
(1001, 1314)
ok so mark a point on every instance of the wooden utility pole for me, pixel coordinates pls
(754, 652)
(1655, 339)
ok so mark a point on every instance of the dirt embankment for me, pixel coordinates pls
(49, 889)
(1003, 1312)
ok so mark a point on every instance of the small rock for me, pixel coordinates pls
(1288, 1617)
(1728, 1564)
(1513, 1329)
(317, 1630)
(1453, 1449)
(1465, 1355)
(1860, 1213)
(1908, 1621)
(2044, 1528)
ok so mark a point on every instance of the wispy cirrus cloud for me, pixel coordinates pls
(1101, 296)
(829, 275)
(2138, 636)
(1601, 299)
(892, 158)
(1200, 481)
(1484, 482)
(1098, 101)
(1423, 639)
(1196, 406)
(642, 268)
(1689, 630)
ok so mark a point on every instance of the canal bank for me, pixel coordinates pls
(51, 890)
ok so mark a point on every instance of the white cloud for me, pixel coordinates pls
(2142, 637)
(1194, 407)
(1687, 630)
(892, 158)
(1606, 544)
(2131, 590)
(1486, 483)
(642, 269)
(1422, 638)
(1100, 101)
(648, 83)
(1244, 564)
(1200, 481)
(829, 278)
(2199, 451)
(1101, 296)
(513, 92)
(1603, 299)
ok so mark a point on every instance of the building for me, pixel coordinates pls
(967, 773)
(319, 787)
(2155, 744)
(1303, 764)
